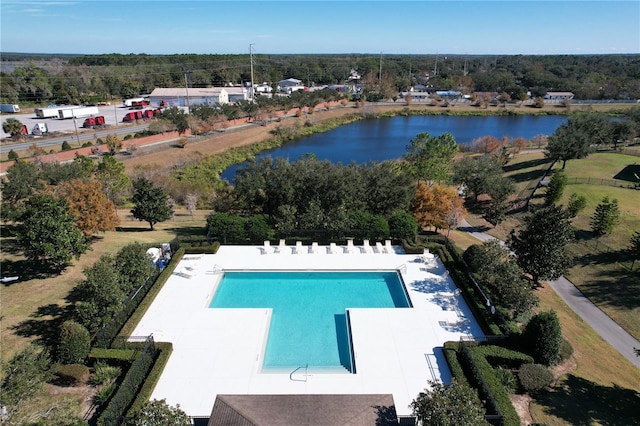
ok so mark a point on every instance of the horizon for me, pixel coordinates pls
(471, 28)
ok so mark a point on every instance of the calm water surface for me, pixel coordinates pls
(387, 138)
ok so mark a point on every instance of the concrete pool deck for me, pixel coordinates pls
(219, 351)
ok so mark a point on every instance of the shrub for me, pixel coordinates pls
(104, 373)
(65, 146)
(72, 374)
(403, 225)
(75, 343)
(542, 337)
(507, 378)
(566, 350)
(104, 394)
(11, 155)
(534, 377)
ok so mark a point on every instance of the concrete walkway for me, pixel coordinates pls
(611, 332)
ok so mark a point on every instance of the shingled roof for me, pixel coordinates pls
(300, 410)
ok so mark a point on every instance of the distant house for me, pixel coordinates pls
(558, 96)
(290, 85)
(196, 96)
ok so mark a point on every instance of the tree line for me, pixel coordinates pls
(92, 78)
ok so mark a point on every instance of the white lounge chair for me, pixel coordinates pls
(314, 248)
(267, 247)
(388, 246)
(366, 247)
(282, 247)
(299, 247)
(350, 248)
(333, 249)
(379, 247)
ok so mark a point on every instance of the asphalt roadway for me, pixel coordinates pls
(68, 129)
(611, 332)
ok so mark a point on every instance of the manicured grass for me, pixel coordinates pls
(32, 309)
(603, 389)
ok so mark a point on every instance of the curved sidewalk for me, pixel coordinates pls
(611, 332)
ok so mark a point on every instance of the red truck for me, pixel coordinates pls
(132, 116)
(92, 122)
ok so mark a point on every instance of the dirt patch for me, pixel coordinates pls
(84, 394)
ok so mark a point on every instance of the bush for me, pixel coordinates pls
(104, 373)
(542, 337)
(566, 350)
(73, 374)
(65, 146)
(11, 155)
(403, 225)
(104, 394)
(534, 377)
(75, 343)
(507, 378)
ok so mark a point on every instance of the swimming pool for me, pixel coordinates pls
(309, 325)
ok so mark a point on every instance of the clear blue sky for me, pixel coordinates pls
(274, 27)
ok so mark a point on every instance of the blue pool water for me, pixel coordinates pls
(308, 323)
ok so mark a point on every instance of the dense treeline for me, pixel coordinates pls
(91, 78)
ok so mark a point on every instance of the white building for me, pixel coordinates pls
(290, 85)
(197, 96)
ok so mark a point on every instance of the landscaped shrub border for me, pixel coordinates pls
(117, 354)
(128, 389)
(481, 375)
(165, 349)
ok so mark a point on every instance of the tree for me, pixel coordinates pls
(113, 143)
(111, 174)
(430, 158)
(12, 155)
(403, 225)
(88, 203)
(100, 294)
(541, 247)
(225, 227)
(453, 405)
(576, 138)
(543, 338)
(159, 413)
(556, 187)
(20, 182)
(634, 246)
(151, 202)
(499, 272)
(606, 216)
(74, 344)
(432, 205)
(13, 126)
(191, 202)
(486, 144)
(133, 266)
(177, 117)
(24, 375)
(576, 204)
(49, 232)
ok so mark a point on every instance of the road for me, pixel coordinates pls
(611, 332)
(71, 137)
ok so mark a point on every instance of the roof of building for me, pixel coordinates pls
(286, 410)
(193, 91)
(559, 94)
(290, 82)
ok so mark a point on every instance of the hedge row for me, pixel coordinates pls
(490, 389)
(478, 308)
(165, 349)
(501, 356)
(128, 389)
(450, 351)
(117, 354)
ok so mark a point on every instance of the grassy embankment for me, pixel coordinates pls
(604, 388)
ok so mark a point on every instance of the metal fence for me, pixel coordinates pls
(601, 181)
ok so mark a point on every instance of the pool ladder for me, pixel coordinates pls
(306, 373)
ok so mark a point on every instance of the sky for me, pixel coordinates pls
(321, 27)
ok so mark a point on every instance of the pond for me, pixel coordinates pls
(387, 138)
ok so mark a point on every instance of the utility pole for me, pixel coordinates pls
(251, 60)
(435, 66)
(186, 87)
(380, 73)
